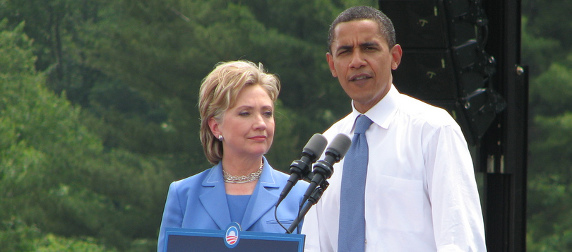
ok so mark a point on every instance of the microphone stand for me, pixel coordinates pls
(312, 200)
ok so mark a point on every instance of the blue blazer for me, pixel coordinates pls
(199, 202)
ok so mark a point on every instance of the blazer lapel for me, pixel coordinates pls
(263, 198)
(213, 197)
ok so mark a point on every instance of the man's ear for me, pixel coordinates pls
(396, 54)
(330, 59)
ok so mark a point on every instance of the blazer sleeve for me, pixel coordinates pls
(172, 215)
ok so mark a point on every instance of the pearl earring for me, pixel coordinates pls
(220, 138)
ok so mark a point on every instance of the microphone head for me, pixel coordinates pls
(315, 146)
(340, 145)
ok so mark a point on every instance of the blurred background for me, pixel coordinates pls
(98, 109)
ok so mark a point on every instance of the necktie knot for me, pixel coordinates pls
(362, 124)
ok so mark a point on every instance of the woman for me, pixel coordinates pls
(236, 104)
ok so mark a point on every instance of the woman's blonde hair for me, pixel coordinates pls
(219, 91)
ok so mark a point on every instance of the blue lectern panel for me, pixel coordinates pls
(178, 240)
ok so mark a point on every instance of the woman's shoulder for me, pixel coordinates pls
(281, 178)
(188, 182)
(280, 175)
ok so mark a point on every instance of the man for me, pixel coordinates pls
(420, 191)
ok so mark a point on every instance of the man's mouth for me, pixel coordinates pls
(360, 77)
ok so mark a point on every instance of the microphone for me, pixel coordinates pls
(300, 168)
(323, 169)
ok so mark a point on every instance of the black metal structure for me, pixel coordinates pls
(504, 148)
(464, 56)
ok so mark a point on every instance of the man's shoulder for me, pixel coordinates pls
(343, 125)
(421, 110)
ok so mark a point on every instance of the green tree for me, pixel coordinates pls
(163, 49)
(546, 49)
(55, 175)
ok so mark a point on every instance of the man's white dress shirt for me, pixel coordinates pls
(420, 194)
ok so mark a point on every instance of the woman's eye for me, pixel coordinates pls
(244, 113)
(268, 113)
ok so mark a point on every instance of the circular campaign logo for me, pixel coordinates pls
(232, 236)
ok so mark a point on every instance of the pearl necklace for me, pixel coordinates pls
(242, 179)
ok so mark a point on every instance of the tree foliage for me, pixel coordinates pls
(56, 176)
(164, 49)
(547, 50)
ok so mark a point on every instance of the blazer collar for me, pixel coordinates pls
(263, 198)
(213, 197)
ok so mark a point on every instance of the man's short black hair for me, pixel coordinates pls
(364, 13)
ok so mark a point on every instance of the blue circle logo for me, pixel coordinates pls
(232, 235)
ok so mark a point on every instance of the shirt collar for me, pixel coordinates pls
(382, 112)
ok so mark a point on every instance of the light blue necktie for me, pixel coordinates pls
(351, 236)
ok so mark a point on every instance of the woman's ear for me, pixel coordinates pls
(214, 126)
